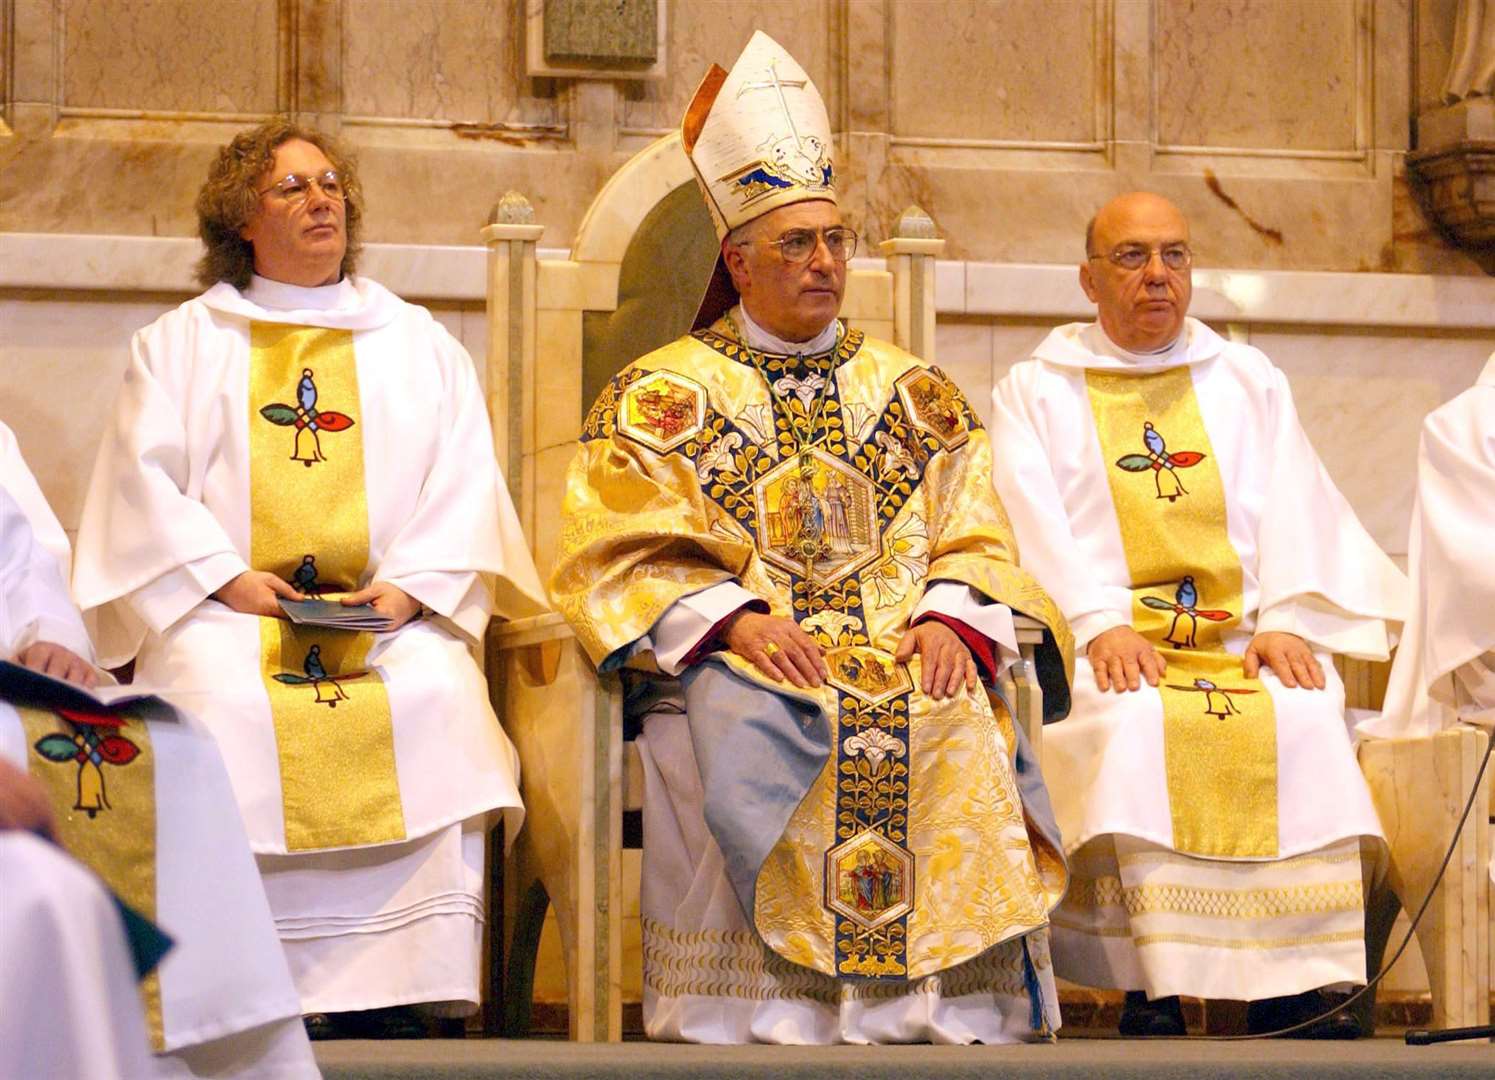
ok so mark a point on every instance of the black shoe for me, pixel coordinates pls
(1275, 1014)
(394, 1022)
(1141, 1018)
(320, 1026)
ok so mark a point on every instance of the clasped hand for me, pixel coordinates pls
(256, 592)
(781, 650)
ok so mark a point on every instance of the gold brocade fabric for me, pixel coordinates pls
(100, 776)
(836, 496)
(1219, 728)
(309, 525)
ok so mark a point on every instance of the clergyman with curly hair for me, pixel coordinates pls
(299, 438)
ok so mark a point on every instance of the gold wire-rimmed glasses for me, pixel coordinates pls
(295, 187)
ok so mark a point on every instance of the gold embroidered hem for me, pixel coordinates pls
(1140, 917)
(99, 772)
(736, 964)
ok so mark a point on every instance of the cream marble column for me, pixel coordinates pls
(511, 240)
(911, 254)
(34, 68)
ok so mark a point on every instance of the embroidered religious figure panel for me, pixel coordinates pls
(823, 494)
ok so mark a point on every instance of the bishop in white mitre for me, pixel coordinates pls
(298, 432)
(141, 798)
(1164, 492)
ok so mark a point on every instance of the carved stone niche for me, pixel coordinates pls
(1457, 184)
(1453, 167)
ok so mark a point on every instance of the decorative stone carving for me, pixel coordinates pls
(1453, 167)
(512, 209)
(1458, 189)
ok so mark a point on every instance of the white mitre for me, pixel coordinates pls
(758, 138)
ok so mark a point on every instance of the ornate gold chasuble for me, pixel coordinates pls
(1219, 728)
(836, 487)
(99, 772)
(309, 519)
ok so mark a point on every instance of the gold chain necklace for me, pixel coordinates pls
(809, 540)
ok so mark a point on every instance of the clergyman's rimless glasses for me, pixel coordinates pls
(1135, 256)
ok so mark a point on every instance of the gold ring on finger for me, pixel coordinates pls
(771, 649)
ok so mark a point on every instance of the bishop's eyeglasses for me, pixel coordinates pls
(798, 245)
(1136, 256)
(295, 187)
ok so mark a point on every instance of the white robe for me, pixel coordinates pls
(1308, 568)
(227, 1002)
(1445, 668)
(167, 522)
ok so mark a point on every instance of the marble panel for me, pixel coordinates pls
(61, 364)
(705, 32)
(964, 351)
(1013, 341)
(1019, 70)
(1362, 396)
(1269, 74)
(441, 60)
(170, 56)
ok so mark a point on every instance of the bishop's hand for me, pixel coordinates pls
(54, 660)
(945, 662)
(1289, 657)
(775, 646)
(1121, 658)
(256, 592)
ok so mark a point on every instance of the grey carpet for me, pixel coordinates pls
(1087, 1059)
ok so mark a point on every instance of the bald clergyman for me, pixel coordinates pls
(1165, 494)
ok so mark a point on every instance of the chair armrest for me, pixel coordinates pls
(1029, 631)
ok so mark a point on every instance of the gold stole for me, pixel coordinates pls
(104, 799)
(309, 523)
(1219, 729)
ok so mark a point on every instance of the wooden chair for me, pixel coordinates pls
(1419, 787)
(579, 775)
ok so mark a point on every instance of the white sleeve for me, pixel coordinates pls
(689, 619)
(164, 601)
(1325, 625)
(959, 601)
(34, 602)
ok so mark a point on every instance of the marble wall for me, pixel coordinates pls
(1279, 125)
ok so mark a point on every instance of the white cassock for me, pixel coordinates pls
(1445, 667)
(1180, 886)
(226, 1004)
(1444, 672)
(345, 424)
